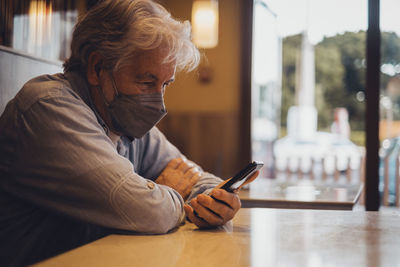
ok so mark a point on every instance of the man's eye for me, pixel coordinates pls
(149, 84)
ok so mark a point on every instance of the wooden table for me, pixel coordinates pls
(258, 237)
(300, 194)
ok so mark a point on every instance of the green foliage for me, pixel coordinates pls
(349, 70)
(339, 74)
(390, 54)
(358, 137)
(390, 48)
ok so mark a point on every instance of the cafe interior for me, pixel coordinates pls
(310, 88)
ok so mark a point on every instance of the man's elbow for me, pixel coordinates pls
(163, 227)
(161, 221)
(156, 214)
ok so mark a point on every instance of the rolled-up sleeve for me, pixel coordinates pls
(68, 164)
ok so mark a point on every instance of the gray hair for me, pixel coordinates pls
(119, 29)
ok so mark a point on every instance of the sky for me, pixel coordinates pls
(330, 17)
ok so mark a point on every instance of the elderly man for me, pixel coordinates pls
(80, 157)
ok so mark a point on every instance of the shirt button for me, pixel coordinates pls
(150, 185)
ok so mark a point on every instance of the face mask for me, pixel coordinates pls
(135, 115)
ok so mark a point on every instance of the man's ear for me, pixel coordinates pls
(94, 68)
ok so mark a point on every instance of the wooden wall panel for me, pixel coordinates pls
(208, 138)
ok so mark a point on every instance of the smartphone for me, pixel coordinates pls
(242, 176)
(239, 178)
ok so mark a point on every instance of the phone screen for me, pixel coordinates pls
(242, 176)
(238, 184)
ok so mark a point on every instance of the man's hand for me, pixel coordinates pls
(213, 211)
(180, 176)
(216, 209)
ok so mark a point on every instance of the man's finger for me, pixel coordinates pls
(223, 210)
(194, 179)
(174, 163)
(191, 181)
(190, 172)
(230, 199)
(249, 180)
(184, 166)
(193, 218)
(222, 183)
(206, 214)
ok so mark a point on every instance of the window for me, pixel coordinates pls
(325, 84)
(38, 27)
(309, 108)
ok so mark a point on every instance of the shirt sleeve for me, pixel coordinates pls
(157, 149)
(68, 164)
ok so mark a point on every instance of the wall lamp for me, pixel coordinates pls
(205, 23)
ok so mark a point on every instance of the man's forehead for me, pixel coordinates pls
(153, 76)
(146, 75)
(157, 55)
(151, 64)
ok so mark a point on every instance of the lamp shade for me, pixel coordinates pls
(205, 23)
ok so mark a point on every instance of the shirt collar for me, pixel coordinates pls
(80, 85)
